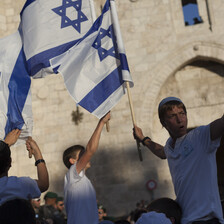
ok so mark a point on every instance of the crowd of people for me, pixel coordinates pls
(191, 159)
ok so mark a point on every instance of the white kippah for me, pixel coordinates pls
(168, 99)
(153, 218)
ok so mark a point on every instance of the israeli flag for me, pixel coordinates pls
(94, 70)
(15, 95)
(49, 28)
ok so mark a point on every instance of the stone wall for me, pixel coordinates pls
(165, 58)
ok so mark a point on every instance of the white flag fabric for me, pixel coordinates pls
(94, 70)
(15, 95)
(49, 28)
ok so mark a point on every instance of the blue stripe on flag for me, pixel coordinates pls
(19, 85)
(28, 2)
(102, 91)
(41, 60)
(124, 62)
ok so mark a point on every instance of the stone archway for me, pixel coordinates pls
(170, 65)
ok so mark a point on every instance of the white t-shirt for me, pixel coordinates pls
(80, 198)
(193, 169)
(18, 187)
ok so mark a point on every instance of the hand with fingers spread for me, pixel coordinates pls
(12, 137)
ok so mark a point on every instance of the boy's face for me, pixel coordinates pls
(175, 122)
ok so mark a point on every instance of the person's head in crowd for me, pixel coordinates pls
(137, 213)
(60, 203)
(141, 204)
(101, 212)
(72, 154)
(5, 158)
(169, 207)
(153, 218)
(5, 152)
(50, 198)
(17, 211)
(36, 203)
(165, 109)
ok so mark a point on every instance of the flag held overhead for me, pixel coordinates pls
(93, 69)
(15, 95)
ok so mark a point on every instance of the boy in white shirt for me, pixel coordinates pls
(79, 194)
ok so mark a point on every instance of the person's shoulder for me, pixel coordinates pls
(26, 179)
(199, 129)
(72, 172)
(9, 179)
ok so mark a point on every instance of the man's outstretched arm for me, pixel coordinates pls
(154, 147)
(217, 128)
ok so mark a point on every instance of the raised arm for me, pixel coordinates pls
(154, 147)
(217, 128)
(42, 173)
(92, 144)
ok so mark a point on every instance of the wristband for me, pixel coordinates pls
(144, 139)
(39, 161)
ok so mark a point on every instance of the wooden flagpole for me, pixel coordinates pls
(133, 118)
(122, 50)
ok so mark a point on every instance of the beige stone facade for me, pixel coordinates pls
(165, 58)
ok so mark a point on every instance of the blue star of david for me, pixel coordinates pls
(65, 20)
(102, 52)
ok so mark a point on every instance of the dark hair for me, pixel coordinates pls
(122, 221)
(169, 106)
(17, 211)
(137, 213)
(5, 157)
(59, 198)
(167, 206)
(72, 152)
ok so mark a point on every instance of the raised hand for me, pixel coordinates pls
(33, 148)
(12, 137)
(106, 118)
(137, 133)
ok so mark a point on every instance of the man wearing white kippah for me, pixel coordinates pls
(192, 161)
